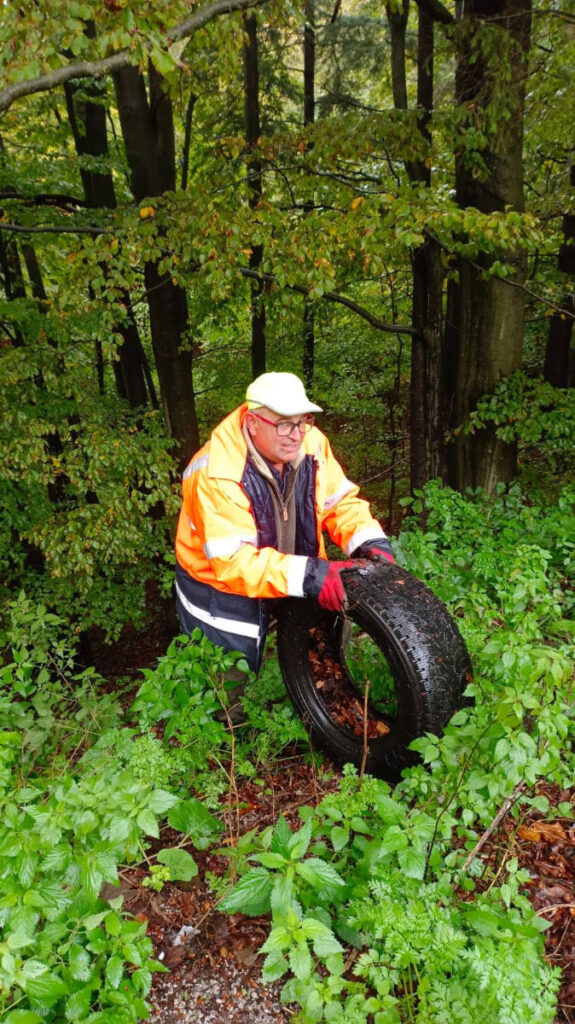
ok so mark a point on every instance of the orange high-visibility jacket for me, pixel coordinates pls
(226, 564)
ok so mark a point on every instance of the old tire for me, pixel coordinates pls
(420, 648)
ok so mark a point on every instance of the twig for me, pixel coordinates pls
(555, 906)
(375, 321)
(501, 814)
(233, 795)
(365, 746)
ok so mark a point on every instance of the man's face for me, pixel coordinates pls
(277, 450)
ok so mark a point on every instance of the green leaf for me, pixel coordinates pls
(271, 860)
(299, 842)
(23, 1017)
(412, 861)
(33, 969)
(393, 840)
(281, 837)
(251, 895)
(339, 837)
(313, 1006)
(146, 820)
(114, 971)
(278, 939)
(19, 940)
(113, 924)
(80, 963)
(300, 961)
(46, 988)
(282, 892)
(141, 1008)
(389, 810)
(326, 944)
(320, 874)
(78, 1004)
(160, 801)
(275, 965)
(181, 864)
(94, 920)
(192, 818)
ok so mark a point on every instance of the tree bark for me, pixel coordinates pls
(254, 176)
(557, 355)
(148, 133)
(88, 123)
(426, 312)
(485, 316)
(309, 118)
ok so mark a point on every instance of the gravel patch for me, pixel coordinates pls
(222, 994)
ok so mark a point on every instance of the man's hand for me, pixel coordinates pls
(322, 581)
(376, 550)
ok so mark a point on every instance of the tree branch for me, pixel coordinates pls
(380, 325)
(54, 229)
(501, 814)
(104, 66)
(44, 199)
(437, 10)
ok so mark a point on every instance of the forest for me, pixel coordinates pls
(381, 199)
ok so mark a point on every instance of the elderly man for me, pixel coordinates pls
(256, 499)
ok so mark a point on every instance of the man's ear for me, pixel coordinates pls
(251, 423)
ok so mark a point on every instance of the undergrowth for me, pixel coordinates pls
(382, 907)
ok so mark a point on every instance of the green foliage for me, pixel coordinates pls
(81, 476)
(182, 691)
(540, 417)
(76, 803)
(394, 873)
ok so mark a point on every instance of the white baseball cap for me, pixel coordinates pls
(283, 393)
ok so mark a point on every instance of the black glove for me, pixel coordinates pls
(378, 550)
(322, 581)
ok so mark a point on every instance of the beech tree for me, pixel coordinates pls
(192, 177)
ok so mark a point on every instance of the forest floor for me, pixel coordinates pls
(213, 960)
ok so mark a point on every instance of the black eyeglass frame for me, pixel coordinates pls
(307, 421)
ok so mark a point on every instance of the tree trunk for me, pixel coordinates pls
(485, 317)
(309, 63)
(148, 134)
(88, 124)
(309, 118)
(426, 314)
(427, 311)
(254, 175)
(557, 354)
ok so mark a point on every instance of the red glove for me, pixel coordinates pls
(376, 550)
(322, 581)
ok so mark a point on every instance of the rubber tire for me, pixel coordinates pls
(423, 647)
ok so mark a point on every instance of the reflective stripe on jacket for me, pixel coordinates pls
(226, 534)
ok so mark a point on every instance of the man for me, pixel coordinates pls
(256, 498)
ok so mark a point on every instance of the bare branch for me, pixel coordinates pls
(380, 325)
(501, 814)
(104, 66)
(437, 10)
(44, 199)
(54, 229)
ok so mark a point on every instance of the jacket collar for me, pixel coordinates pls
(228, 451)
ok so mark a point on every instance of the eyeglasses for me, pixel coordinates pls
(284, 428)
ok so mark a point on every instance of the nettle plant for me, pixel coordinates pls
(82, 793)
(382, 908)
(76, 803)
(366, 938)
